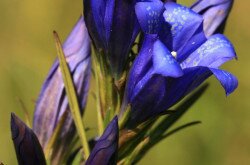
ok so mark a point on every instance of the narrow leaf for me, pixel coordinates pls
(72, 96)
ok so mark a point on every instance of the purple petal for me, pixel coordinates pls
(124, 31)
(148, 94)
(195, 76)
(227, 80)
(181, 24)
(95, 11)
(213, 53)
(105, 150)
(214, 12)
(27, 146)
(141, 64)
(107, 19)
(149, 14)
(164, 63)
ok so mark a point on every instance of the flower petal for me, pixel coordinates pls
(181, 23)
(96, 13)
(227, 80)
(214, 12)
(213, 53)
(105, 150)
(27, 146)
(125, 28)
(141, 64)
(164, 63)
(180, 87)
(148, 94)
(195, 76)
(149, 14)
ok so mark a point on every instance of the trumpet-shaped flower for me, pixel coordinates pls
(174, 59)
(52, 102)
(105, 150)
(113, 27)
(214, 12)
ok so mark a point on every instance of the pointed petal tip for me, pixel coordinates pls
(228, 81)
(228, 93)
(115, 119)
(164, 63)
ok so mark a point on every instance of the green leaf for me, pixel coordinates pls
(72, 96)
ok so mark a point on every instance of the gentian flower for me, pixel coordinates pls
(105, 150)
(174, 59)
(113, 27)
(214, 12)
(27, 146)
(52, 102)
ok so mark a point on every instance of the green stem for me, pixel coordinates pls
(108, 95)
(98, 105)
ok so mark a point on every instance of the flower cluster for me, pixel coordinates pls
(148, 55)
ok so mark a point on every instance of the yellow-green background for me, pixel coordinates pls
(27, 51)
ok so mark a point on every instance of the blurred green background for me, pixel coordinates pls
(27, 51)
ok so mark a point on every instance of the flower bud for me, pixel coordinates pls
(27, 146)
(105, 150)
(113, 28)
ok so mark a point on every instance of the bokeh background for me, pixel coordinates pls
(27, 51)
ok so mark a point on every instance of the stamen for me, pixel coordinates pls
(174, 54)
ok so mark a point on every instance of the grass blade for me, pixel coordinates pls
(72, 96)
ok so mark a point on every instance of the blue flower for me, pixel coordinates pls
(52, 102)
(214, 12)
(113, 27)
(27, 146)
(105, 150)
(174, 59)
